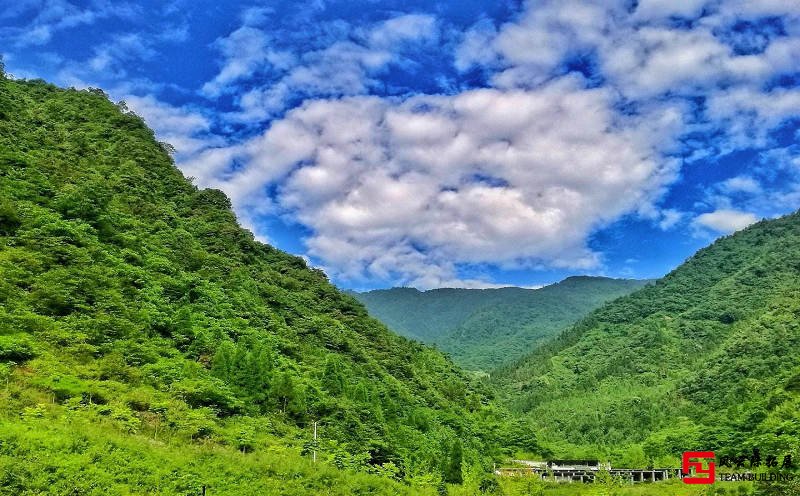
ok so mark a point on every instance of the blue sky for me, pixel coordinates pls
(454, 143)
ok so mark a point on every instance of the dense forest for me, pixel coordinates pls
(427, 315)
(485, 328)
(133, 305)
(707, 358)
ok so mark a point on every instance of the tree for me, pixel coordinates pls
(222, 365)
(452, 470)
(333, 379)
(252, 371)
(9, 218)
(287, 392)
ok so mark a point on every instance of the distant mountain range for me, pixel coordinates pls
(486, 328)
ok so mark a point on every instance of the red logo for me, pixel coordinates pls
(699, 475)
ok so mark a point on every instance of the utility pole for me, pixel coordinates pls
(315, 442)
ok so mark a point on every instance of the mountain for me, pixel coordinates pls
(707, 358)
(485, 328)
(148, 344)
(428, 315)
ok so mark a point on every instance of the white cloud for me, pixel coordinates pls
(749, 114)
(409, 190)
(660, 9)
(725, 220)
(246, 52)
(184, 129)
(656, 60)
(344, 67)
(759, 8)
(476, 47)
(401, 29)
(52, 16)
(670, 218)
(742, 184)
(639, 54)
(537, 44)
(112, 56)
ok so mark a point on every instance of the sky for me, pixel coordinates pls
(461, 143)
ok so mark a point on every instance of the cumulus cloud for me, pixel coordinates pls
(639, 53)
(475, 47)
(670, 218)
(409, 190)
(113, 56)
(515, 175)
(725, 220)
(402, 29)
(534, 47)
(748, 114)
(661, 9)
(346, 66)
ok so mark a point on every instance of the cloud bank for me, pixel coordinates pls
(407, 189)
(580, 125)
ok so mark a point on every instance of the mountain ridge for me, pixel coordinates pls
(485, 328)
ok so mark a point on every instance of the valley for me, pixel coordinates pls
(483, 329)
(150, 345)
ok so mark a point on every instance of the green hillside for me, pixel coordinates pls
(428, 315)
(706, 358)
(133, 306)
(485, 328)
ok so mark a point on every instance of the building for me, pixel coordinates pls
(583, 471)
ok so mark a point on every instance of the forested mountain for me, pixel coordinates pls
(429, 315)
(485, 328)
(706, 358)
(149, 344)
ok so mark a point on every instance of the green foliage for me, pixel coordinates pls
(485, 328)
(452, 469)
(489, 485)
(41, 454)
(706, 358)
(9, 217)
(16, 348)
(132, 298)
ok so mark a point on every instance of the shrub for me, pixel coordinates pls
(16, 348)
